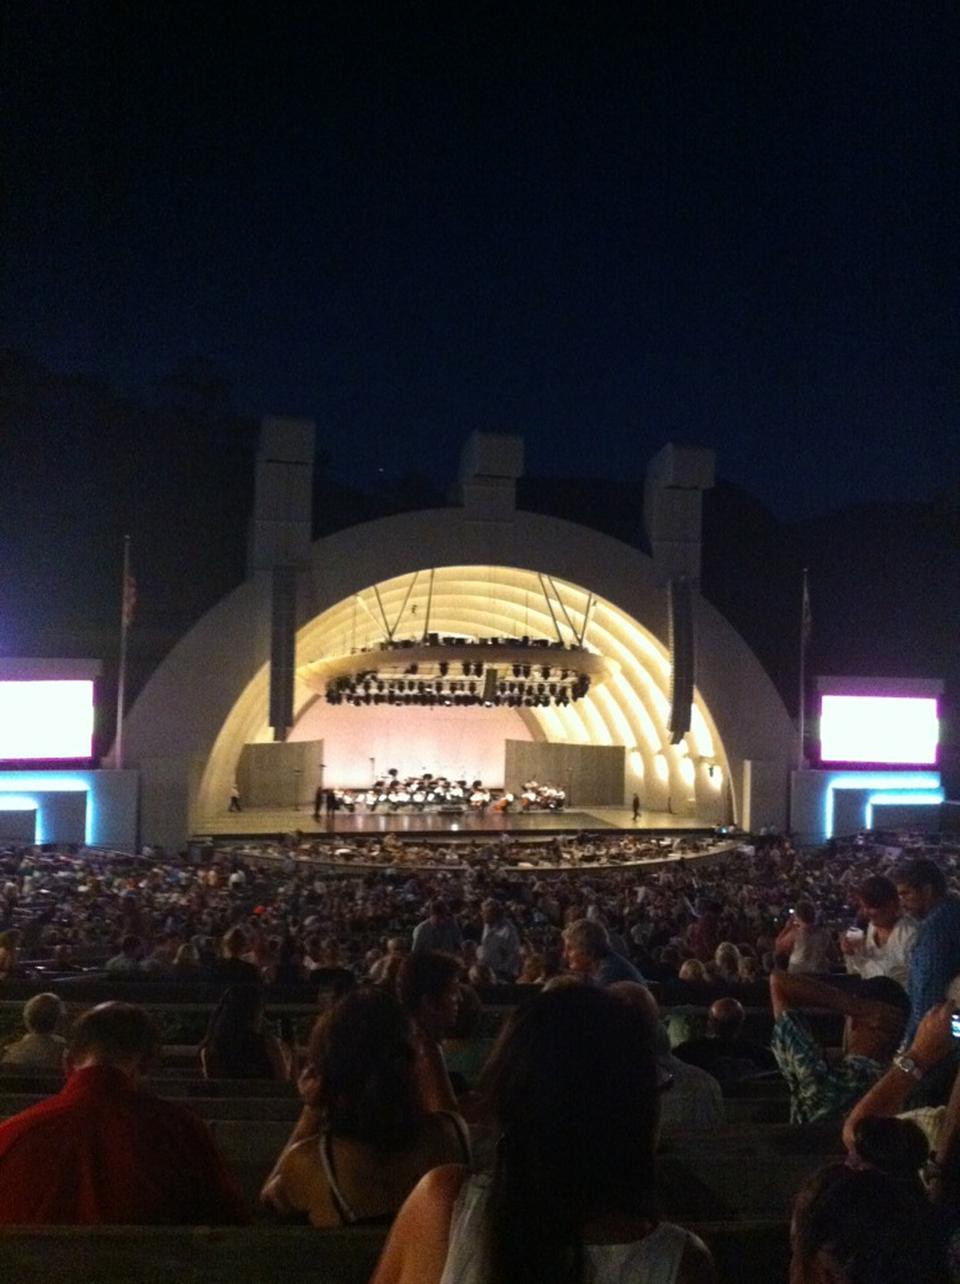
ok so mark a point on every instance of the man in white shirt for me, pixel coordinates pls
(885, 948)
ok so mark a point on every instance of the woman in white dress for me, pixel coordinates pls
(572, 1090)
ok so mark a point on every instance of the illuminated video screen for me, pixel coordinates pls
(896, 730)
(46, 720)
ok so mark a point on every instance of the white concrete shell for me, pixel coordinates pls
(209, 697)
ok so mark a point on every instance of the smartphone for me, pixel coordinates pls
(955, 1024)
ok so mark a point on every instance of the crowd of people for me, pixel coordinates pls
(395, 1071)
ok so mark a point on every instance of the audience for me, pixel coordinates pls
(499, 948)
(571, 1091)
(588, 954)
(820, 1087)
(380, 1109)
(885, 947)
(935, 959)
(41, 1048)
(723, 1051)
(237, 1046)
(104, 1150)
(864, 1225)
(807, 944)
(691, 1097)
(367, 1132)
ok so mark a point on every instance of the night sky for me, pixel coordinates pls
(602, 226)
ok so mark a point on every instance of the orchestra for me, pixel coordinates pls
(418, 793)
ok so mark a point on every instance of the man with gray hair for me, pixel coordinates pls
(41, 1048)
(588, 953)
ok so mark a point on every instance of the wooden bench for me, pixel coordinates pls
(747, 1252)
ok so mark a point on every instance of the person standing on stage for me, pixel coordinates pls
(636, 808)
(234, 798)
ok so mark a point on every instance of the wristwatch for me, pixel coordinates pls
(908, 1066)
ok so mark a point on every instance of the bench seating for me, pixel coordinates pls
(747, 1252)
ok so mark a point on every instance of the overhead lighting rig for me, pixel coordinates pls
(447, 671)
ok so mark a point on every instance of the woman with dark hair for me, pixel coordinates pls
(867, 1225)
(365, 1136)
(237, 1046)
(572, 1089)
(884, 948)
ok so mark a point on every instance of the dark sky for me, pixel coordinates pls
(599, 225)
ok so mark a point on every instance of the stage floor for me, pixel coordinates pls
(256, 822)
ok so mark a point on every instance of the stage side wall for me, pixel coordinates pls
(593, 775)
(280, 775)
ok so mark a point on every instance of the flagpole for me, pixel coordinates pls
(122, 675)
(804, 634)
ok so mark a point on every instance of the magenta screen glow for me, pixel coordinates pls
(879, 729)
(46, 720)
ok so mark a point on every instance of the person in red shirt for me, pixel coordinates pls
(104, 1150)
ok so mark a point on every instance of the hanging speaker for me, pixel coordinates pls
(682, 658)
(490, 685)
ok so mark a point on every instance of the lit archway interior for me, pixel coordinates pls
(630, 709)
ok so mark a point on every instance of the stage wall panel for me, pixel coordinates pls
(593, 775)
(462, 744)
(280, 774)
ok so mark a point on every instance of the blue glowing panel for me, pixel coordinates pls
(905, 784)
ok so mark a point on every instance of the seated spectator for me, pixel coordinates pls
(808, 945)
(128, 961)
(824, 1087)
(692, 1098)
(187, 965)
(533, 971)
(863, 1226)
(464, 1050)
(429, 989)
(588, 953)
(896, 1147)
(723, 1051)
(386, 968)
(158, 964)
(931, 1047)
(106, 1151)
(237, 1046)
(232, 968)
(9, 951)
(692, 970)
(885, 948)
(41, 1048)
(365, 1136)
(726, 960)
(935, 960)
(571, 1090)
(703, 934)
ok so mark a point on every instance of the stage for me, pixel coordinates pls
(263, 822)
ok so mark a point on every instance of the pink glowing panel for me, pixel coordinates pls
(46, 719)
(875, 729)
